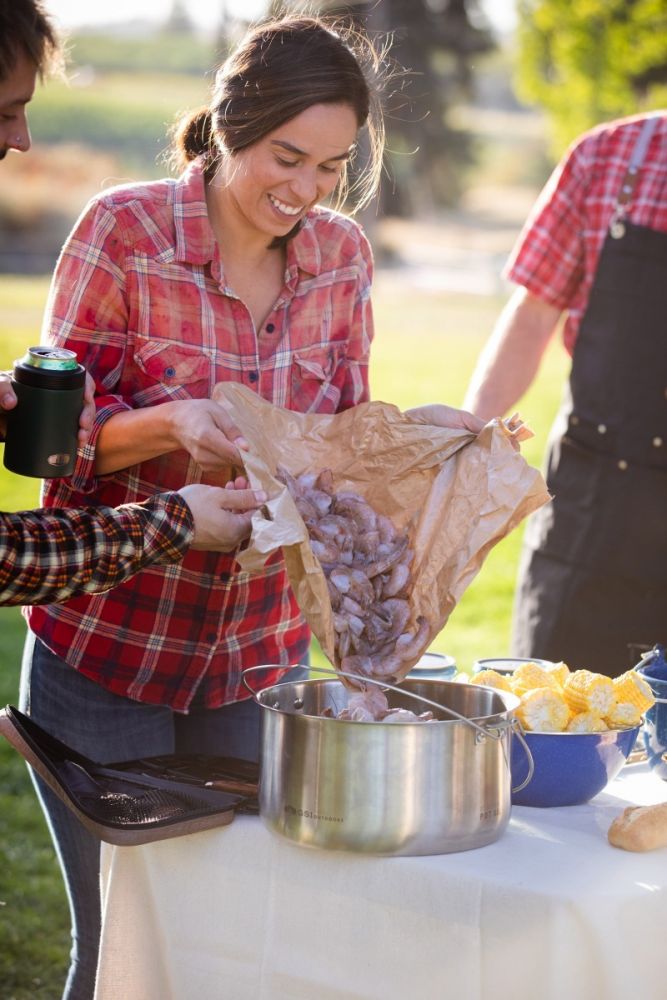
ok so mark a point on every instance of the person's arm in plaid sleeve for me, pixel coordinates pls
(49, 556)
(94, 324)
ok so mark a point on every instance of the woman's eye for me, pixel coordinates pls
(286, 163)
(328, 170)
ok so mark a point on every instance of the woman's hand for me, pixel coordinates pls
(222, 517)
(209, 434)
(440, 415)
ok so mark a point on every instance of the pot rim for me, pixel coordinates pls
(506, 715)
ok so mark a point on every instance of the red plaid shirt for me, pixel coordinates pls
(557, 252)
(52, 555)
(139, 293)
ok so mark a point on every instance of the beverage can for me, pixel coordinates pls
(42, 429)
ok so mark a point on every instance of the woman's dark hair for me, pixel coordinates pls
(281, 68)
(26, 28)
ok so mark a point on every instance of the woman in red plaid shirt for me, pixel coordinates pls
(234, 272)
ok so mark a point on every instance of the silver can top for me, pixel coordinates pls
(52, 358)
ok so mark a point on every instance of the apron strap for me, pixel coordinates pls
(616, 225)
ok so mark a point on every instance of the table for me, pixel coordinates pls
(549, 912)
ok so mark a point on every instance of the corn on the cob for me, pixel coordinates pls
(623, 715)
(633, 688)
(586, 722)
(543, 710)
(529, 676)
(585, 691)
(491, 678)
(559, 671)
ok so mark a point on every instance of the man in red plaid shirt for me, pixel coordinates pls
(593, 580)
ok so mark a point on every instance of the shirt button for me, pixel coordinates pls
(211, 637)
(253, 376)
(270, 327)
(622, 464)
(574, 419)
(170, 372)
(602, 428)
(657, 442)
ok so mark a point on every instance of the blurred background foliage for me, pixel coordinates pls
(568, 65)
(590, 61)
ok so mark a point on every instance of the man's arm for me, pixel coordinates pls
(49, 556)
(511, 357)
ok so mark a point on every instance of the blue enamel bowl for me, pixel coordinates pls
(570, 768)
(654, 733)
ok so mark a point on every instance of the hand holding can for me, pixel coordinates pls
(42, 429)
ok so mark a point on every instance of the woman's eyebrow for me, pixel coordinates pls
(300, 152)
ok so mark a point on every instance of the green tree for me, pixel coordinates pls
(591, 61)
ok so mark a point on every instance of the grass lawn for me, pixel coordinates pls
(425, 349)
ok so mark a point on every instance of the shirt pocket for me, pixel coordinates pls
(171, 371)
(317, 377)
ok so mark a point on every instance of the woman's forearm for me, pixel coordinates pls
(135, 436)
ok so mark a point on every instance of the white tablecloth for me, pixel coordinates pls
(548, 912)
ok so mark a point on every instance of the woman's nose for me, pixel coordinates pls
(305, 187)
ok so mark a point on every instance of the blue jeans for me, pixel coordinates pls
(106, 728)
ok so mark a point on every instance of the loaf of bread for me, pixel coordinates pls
(640, 828)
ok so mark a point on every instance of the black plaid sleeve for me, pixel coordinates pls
(49, 556)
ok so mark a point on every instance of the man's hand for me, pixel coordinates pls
(8, 402)
(88, 412)
(222, 516)
(441, 415)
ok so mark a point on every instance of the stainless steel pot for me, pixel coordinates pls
(387, 789)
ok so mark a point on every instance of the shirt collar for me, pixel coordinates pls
(303, 251)
(195, 242)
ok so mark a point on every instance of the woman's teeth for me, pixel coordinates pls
(282, 207)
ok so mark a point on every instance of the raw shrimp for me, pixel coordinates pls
(366, 562)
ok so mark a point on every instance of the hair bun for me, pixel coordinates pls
(194, 134)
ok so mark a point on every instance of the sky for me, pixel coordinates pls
(206, 13)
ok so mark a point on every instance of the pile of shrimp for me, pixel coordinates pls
(366, 564)
(371, 705)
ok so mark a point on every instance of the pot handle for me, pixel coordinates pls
(497, 735)
(517, 730)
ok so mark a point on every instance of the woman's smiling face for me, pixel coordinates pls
(273, 183)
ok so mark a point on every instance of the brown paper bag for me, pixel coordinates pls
(456, 494)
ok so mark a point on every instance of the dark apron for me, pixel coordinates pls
(592, 587)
